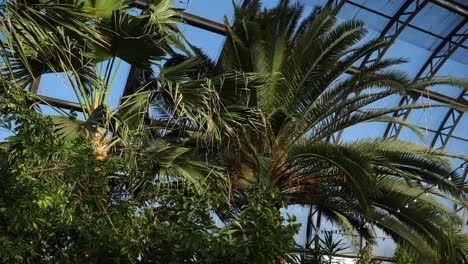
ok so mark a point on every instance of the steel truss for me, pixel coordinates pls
(394, 27)
(425, 31)
(448, 125)
(452, 118)
(391, 31)
(219, 28)
(452, 6)
(440, 55)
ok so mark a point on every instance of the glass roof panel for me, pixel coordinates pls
(58, 86)
(384, 244)
(457, 146)
(419, 38)
(371, 34)
(386, 7)
(364, 131)
(450, 68)
(415, 55)
(118, 83)
(353, 10)
(301, 213)
(429, 117)
(462, 129)
(461, 54)
(435, 19)
(407, 135)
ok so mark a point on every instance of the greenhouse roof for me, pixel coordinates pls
(431, 34)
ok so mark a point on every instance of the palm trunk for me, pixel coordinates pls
(310, 223)
(281, 260)
(100, 146)
(317, 230)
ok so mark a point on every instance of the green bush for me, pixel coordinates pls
(401, 256)
(59, 204)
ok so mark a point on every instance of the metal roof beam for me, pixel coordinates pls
(430, 68)
(441, 98)
(448, 125)
(193, 20)
(435, 131)
(390, 18)
(60, 103)
(394, 27)
(452, 7)
(391, 31)
(215, 28)
(204, 23)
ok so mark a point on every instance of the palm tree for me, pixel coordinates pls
(84, 44)
(297, 84)
(80, 44)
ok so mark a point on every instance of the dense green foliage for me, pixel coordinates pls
(57, 207)
(106, 189)
(196, 162)
(402, 257)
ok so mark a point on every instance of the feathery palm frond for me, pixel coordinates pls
(304, 97)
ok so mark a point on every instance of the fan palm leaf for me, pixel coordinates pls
(84, 43)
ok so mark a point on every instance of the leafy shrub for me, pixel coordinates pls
(401, 256)
(59, 204)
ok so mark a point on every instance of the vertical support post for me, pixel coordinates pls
(310, 226)
(317, 230)
(35, 85)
